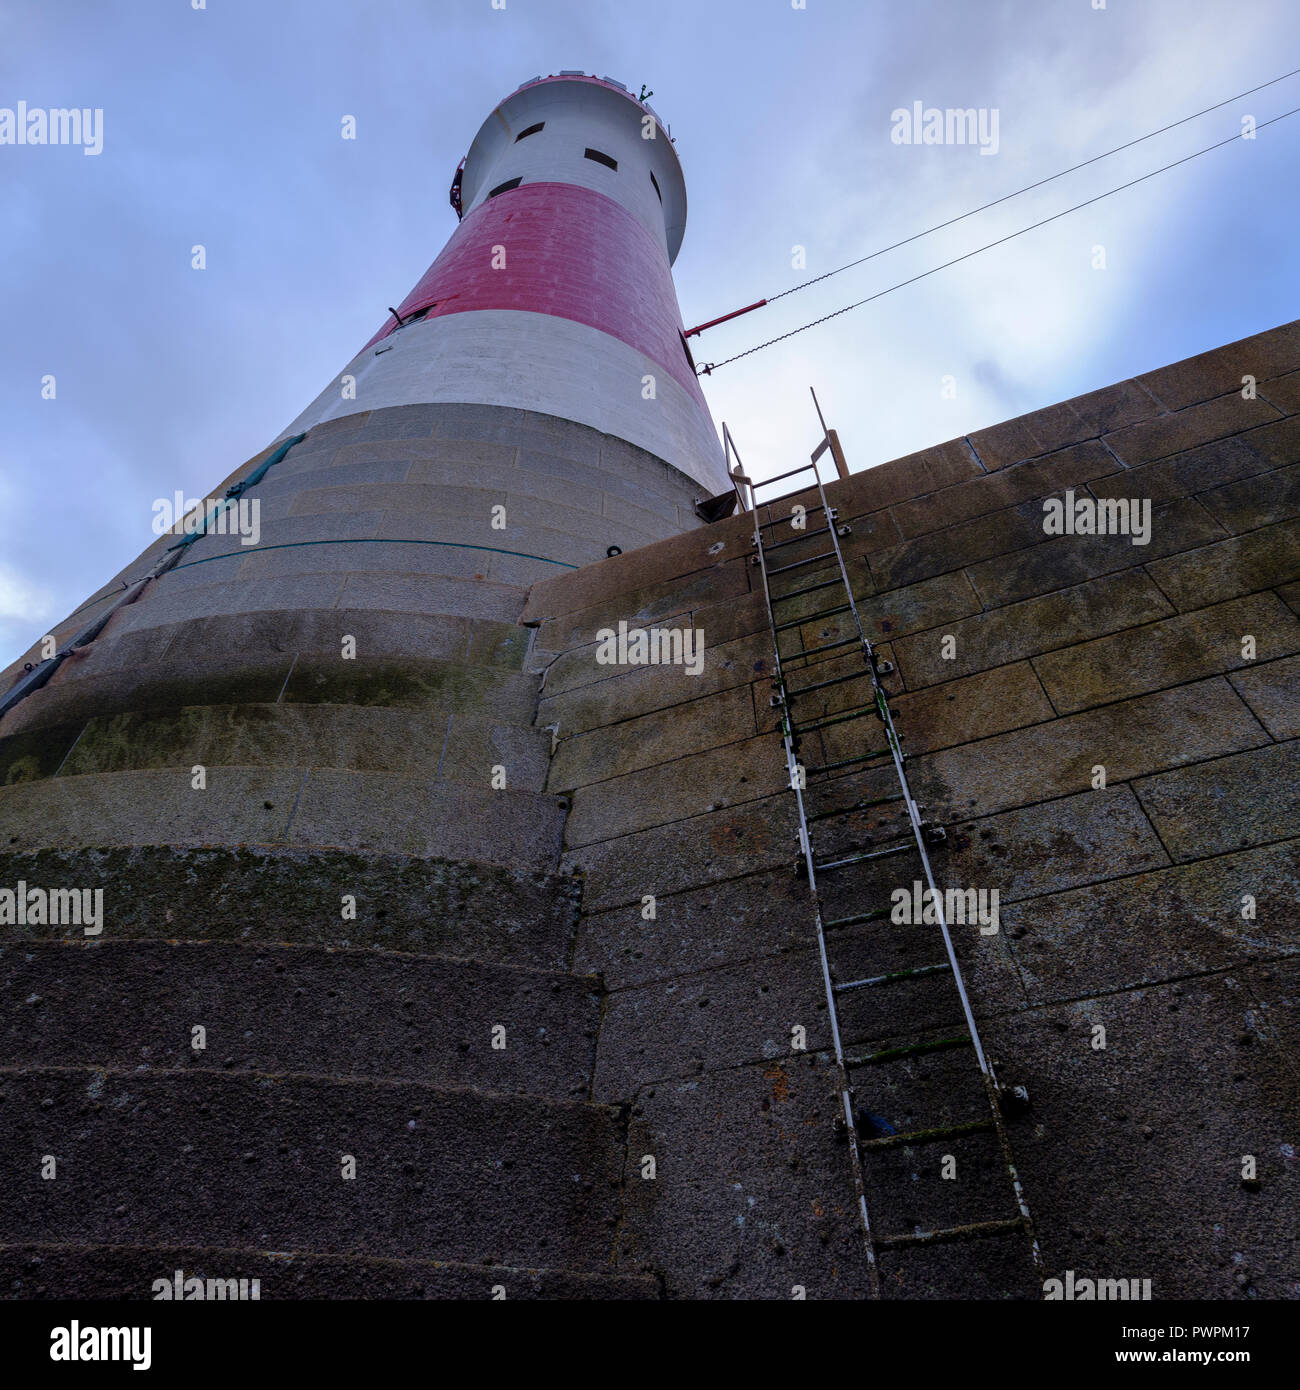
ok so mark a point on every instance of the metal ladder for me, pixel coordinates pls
(839, 591)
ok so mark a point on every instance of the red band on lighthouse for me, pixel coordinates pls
(555, 248)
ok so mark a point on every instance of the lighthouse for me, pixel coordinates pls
(555, 292)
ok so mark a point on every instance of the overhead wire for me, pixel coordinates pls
(711, 367)
(1029, 187)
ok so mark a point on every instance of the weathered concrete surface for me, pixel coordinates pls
(260, 894)
(417, 743)
(128, 1273)
(744, 918)
(1133, 1156)
(256, 1161)
(751, 1195)
(291, 1009)
(1169, 652)
(1269, 690)
(306, 807)
(1128, 739)
(1255, 796)
(1167, 924)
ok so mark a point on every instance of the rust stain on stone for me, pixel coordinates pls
(780, 1083)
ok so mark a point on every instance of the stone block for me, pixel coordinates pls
(1034, 625)
(38, 753)
(342, 475)
(401, 422)
(588, 696)
(445, 820)
(725, 1018)
(643, 607)
(708, 849)
(1165, 924)
(475, 691)
(239, 804)
(1221, 370)
(1262, 500)
(258, 678)
(1064, 561)
(697, 930)
(474, 747)
(1271, 692)
(973, 707)
(942, 599)
(252, 1163)
(1052, 847)
(752, 1194)
(966, 543)
(258, 893)
(1227, 803)
(1198, 470)
(1188, 427)
(1057, 426)
(928, 470)
(1169, 652)
(1130, 739)
(1131, 1159)
(692, 726)
(1283, 392)
(647, 568)
(127, 1273)
(1069, 467)
(370, 738)
(676, 790)
(406, 593)
(1239, 565)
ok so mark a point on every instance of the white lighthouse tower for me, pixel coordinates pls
(555, 293)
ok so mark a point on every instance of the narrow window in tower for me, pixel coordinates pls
(532, 130)
(602, 159)
(655, 181)
(506, 187)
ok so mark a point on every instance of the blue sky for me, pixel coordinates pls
(222, 127)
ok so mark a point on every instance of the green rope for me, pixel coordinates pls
(376, 540)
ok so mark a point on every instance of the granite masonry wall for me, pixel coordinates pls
(1121, 905)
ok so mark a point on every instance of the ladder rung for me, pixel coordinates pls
(799, 564)
(849, 762)
(812, 617)
(893, 977)
(812, 588)
(786, 496)
(831, 720)
(971, 1231)
(857, 806)
(825, 647)
(785, 520)
(821, 685)
(907, 847)
(794, 540)
(857, 918)
(803, 468)
(894, 1054)
(927, 1136)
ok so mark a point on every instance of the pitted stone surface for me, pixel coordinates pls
(298, 1009)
